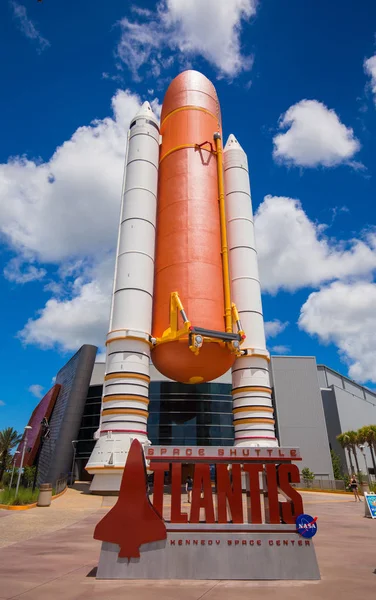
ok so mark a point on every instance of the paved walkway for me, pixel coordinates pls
(72, 506)
(53, 556)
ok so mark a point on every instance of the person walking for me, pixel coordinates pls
(354, 487)
(188, 488)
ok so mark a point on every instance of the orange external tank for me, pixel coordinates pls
(188, 236)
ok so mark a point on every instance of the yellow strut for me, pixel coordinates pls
(224, 248)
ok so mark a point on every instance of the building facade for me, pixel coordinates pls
(347, 407)
(313, 404)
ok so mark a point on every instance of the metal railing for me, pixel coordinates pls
(322, 484)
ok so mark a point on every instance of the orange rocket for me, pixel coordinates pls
(193, 317)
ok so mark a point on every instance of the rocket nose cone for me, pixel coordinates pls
(232, 143)
(145, 109)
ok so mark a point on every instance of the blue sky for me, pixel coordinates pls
(297, 86)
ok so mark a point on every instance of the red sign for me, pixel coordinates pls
(135, 521)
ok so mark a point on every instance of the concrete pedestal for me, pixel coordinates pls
(232, 555)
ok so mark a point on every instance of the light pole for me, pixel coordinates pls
(361, 448)
(74, 442)
(14, 464)
(22, 458)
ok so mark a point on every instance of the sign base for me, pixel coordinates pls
(247, 556)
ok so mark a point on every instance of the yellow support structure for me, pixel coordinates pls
(173, 332)
(224, 247)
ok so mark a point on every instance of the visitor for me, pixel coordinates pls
(188, 488)
(354, 487)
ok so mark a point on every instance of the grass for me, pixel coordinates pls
(25, 496)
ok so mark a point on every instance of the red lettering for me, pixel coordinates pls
(251, 542)
(176, 515)
(293, 453)
(269, 451)
(195, 542)
(221, 452)
(210, 542)
(217, 542)
(188, 451)
(201, 482)
(229, 542)
(201, 451)
(180, 542)
(232, 451)
(257, 450)
(176, 452)
(163, 451)
(292, 542)
(259, 542)
(288, 474)
(202, 542)
(229, 493)
(278, 542)
(245, 451)
(307, 543)
(271, 497)
(271, 543)
(150, 451)
(172, 542)
(280, 453)
(237, 542)
(285, 542)
(253, 492)
(187, 542)
(158, 484)
(244, 542)
(300, 543)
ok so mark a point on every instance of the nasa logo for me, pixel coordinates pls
(306, 526)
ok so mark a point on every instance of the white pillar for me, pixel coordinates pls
(125, 398)
(251, 391)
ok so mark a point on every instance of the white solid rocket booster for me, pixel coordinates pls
(125, 398)
(251, 391)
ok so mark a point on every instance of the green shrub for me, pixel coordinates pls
(25, 496)
(308, 476)
(337, 467)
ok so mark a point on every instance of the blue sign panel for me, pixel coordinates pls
(371, 501)
(306, 525)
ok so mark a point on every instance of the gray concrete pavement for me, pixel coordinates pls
(58, 564)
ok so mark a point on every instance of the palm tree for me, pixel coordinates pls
(367, 435)
(344, 440)
(9, 439)
(372, 429)
(353, 437)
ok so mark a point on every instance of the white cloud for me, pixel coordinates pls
(294, 252)
(2, 403)
(13, 271)
(27, 27)
(80, 319)
(65, 212)
(370, 69)
(69, 206)
(281, 349)
(344, 314)
(274, 328)
(36, 390)
(185, 29)
(315, 136)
